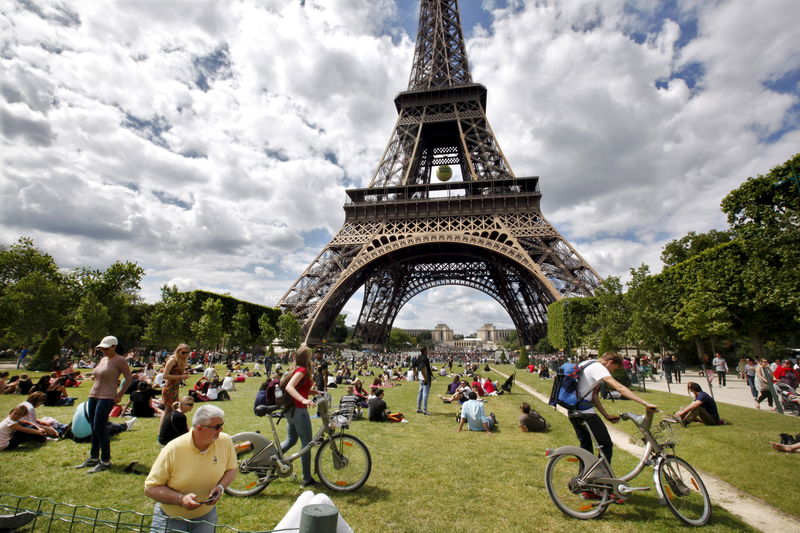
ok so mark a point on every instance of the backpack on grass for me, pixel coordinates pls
(565, 387)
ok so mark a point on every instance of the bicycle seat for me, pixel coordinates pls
(578, 415)
(263, 410)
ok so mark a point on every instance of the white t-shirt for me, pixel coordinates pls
(31, 416)
(227, 383)
(719, 364)
(158, 381)
(209, 373)
(6, 432)
(589, 378)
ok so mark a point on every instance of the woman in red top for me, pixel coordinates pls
(299, 388)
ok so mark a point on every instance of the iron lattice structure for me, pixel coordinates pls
(404, 234)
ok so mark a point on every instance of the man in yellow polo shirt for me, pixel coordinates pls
(190, 475)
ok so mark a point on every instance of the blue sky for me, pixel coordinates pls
(211, 142)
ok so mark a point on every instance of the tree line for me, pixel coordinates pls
(735, 291)
(80, 306)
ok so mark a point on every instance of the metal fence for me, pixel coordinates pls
(46, 515)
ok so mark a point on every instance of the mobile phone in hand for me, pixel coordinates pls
(208, 500)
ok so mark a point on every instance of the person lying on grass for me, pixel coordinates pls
(787, 448)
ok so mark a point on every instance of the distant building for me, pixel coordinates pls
(444, 338)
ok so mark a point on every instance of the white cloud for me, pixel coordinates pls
(208, 140)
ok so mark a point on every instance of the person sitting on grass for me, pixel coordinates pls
(143, 403)
(530, 422)
(175, 424)
(703, 407)
(379, 411)
(473, 414)
(14, 430)
(57, 394)
(786, 448)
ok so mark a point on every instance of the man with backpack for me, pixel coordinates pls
(591, 375)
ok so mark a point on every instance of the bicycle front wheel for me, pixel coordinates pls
(343, 463)
(561, 477)
(251, 478)
(683, 491)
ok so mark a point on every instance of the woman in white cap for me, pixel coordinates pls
(105, 393)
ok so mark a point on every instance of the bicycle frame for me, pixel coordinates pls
(599, 474)
(323, 434)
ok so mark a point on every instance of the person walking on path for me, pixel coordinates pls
(22, 355)
(423, 372)
(721, 367)
(105, 393)
(763, 376)
(750, 376)
(190, 475)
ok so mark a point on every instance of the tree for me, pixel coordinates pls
(208, 330)
(168, 323)
(240, 328)
(91, 318)
(398, 339)
(354, 343)
(338, 330)
(544, 346)
(511, 342)
(48, 350)
(764, 212)
(268, 332)
(289, 330)
(522, 360)
(680, 250)
(117, 288)
(35, 296)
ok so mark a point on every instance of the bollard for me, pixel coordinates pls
(319, 518)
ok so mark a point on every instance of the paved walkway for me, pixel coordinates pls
(753, 511)
(736, 391)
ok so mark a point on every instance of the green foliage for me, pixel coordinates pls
(267, 331)
(354, 343)
(229, 305)
(621, 376)
(116, 289)
(240, 335)
(208, 330)
(522, 360)
(34, 295)
(47, 351)
(338, 332)
(544, 346)
(168, 323)
(399, 339)
(289, 330)
(605, 344)
(511, 343)
(680, 250)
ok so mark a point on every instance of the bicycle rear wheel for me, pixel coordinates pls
(343, 463)
(561, 478)
(251, 478)
(683, 491)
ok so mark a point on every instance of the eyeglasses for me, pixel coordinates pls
(215, 427)
(183, 352)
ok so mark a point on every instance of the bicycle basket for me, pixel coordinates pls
(668, 432)
(339, 421)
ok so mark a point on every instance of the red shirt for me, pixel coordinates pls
(488, 387)
(303, 387)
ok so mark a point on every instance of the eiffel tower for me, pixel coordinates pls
(406, 232)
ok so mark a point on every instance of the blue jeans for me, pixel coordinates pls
(99, 409)
(751, 382)
(163, 522)
(422, 396)
(299, 425)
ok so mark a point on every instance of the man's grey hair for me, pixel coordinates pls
(205, 413)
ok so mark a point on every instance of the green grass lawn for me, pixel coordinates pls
(426, 476)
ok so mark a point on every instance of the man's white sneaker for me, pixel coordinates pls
(130, 423)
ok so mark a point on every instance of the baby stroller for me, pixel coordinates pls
(507, 384)
(790, 400)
